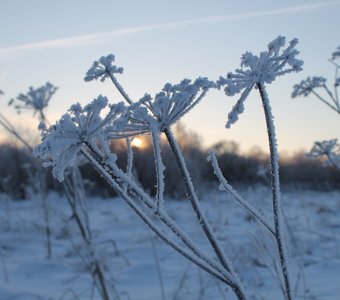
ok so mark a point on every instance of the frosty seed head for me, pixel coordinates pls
(305, 87)
(328, 148)
(35, 99)
(102, 68)
(324, 148)
(263, 68)
(173, 102)
(62, 141)
(259, 69)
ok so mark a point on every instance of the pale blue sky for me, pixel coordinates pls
(165, 41)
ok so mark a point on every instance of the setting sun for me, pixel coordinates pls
(137, 142)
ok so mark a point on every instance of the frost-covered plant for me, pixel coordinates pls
(75, 193)
(155, 115)
(37, 179)
(257, 72)
(317, 84)
(104, 68)
(5, 123)
(77, 127)
(35, 99)
(38, 100)
(90, 130)
(330, 149)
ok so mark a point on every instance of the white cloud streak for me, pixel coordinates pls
(95, 38)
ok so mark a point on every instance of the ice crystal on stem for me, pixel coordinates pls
(260, 70)
(36, 99)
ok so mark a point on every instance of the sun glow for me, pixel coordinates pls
(137, 142)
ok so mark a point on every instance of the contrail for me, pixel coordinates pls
(90, 39)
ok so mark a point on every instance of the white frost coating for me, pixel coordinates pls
(229, 189)
(238, 108)
(35, 99)
(159, 168)
(330, 149)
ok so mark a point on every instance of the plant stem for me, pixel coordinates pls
(237, 197)
(198, 211)
(275, 186)
(74, 192)
(162, 235)
(120, 88)
(115, 172)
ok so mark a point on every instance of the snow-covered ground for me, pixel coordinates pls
(130, 252)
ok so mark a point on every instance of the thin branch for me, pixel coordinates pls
(120, 88)
(237, 197)
(325, 102)
(10, 128)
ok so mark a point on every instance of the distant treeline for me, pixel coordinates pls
(18, 166)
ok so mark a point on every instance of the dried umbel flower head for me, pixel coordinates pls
(319, 87)
(174, 101)
(328, 148)
(35, 99)
(262, 69)
(305, 87)
(324, 148)
(77, 128)
(102, 68)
